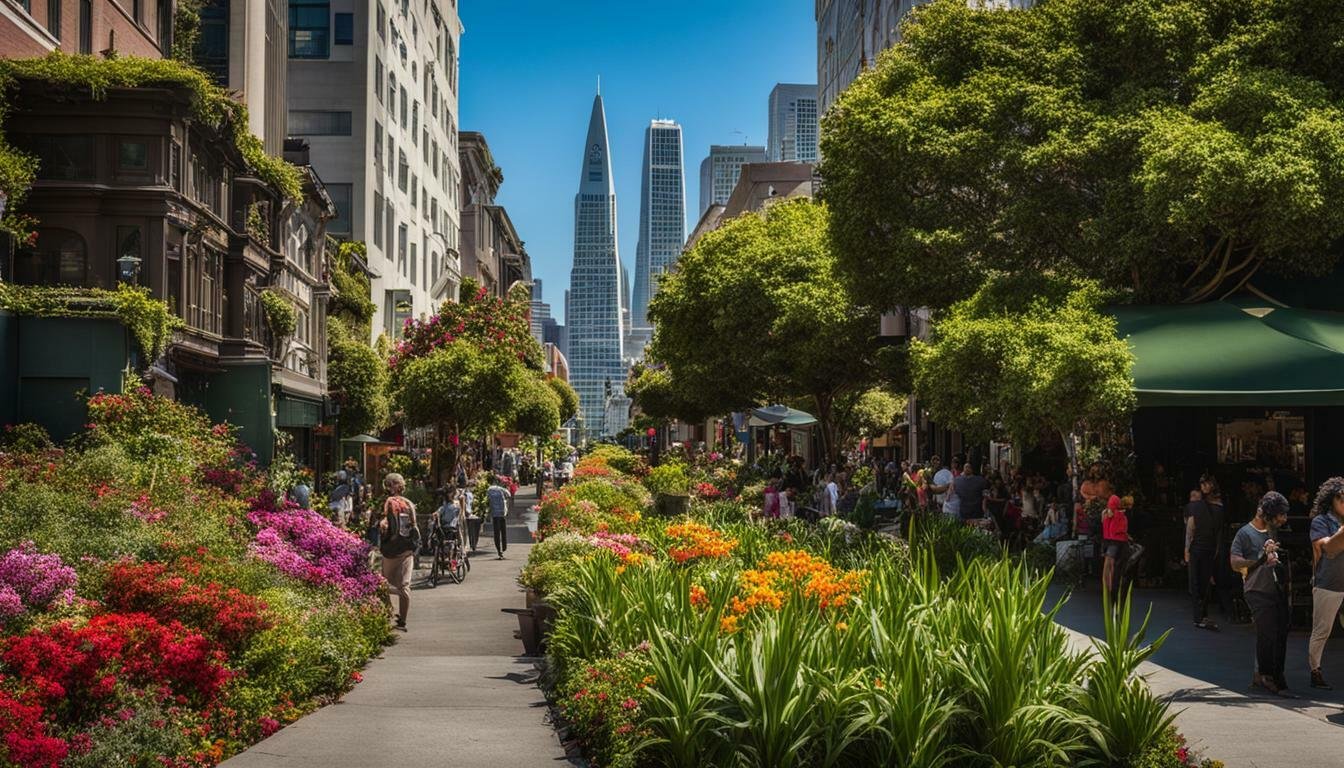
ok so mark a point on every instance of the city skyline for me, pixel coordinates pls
(662, 214)
(637, 87)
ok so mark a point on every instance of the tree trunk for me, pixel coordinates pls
(826, 421)
(1071, 448)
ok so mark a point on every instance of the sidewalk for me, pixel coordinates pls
(1207, 674)
(451, 692)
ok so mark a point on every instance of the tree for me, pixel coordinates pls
(993, 369)
(568, 398)
(1171, 149)
(537, 409)
(356, 375)
(661, 398)
(756, 313)
(868, 414)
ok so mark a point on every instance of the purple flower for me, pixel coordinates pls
(304, 545)
(31, 581)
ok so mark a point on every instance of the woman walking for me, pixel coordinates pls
(399, 540)
(1115, 538)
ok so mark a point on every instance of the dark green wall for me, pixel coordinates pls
(9, 368)
(60, 361)
(241, 395)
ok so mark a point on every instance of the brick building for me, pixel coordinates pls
(130, 28)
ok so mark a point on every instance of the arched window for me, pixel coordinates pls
(58, 257)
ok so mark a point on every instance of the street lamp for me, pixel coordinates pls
(128, 268)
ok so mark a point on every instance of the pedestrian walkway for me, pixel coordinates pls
(1207, 675)
(451, 692)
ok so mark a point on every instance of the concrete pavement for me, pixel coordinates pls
(1207, 675)
(453, 691)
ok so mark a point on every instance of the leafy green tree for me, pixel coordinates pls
(568, 398)
(537, 409)
(868, 414)
(662, 396)
(756, 313)
(357, 378)
(993, 368)
(1174, 150)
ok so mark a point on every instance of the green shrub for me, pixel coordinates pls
(550, 564)
(949, 540)
(618, 459)
(24, 438)
(668, 478)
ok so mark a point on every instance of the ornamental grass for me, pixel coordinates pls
(790, 645)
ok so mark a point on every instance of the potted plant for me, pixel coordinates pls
(671, 488)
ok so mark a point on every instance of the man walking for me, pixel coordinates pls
(1255, 553)
(499, 498)
(1204, 522)
(1327, 588)
(942, 484)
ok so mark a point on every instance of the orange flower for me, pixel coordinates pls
(698, 597)
(692, 540)
(728, 624)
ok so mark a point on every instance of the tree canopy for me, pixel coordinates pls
(537, 410)
(567, 397)
(1171, 149)
(460, 386)
(996, 369)
(756, 313)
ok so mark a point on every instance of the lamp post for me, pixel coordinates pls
(128, 268)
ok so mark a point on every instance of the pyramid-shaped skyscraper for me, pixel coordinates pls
(596, 367)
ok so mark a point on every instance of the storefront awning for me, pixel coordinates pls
(783, 415)
(1234, 354)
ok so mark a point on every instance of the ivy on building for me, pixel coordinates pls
(149, 320)
(210, 104)
(356, 374)
(279, 313)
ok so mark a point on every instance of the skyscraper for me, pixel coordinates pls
(662, 215)
(793, 124)
(719, 172)
(593, 311)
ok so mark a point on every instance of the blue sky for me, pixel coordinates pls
(529, 73)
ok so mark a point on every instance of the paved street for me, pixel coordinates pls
(1207, 674)
(452, 692)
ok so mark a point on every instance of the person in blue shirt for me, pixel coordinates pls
(1256, 555)
(499, 497)
(1327, 584)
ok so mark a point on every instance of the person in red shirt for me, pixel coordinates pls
(1115, 540)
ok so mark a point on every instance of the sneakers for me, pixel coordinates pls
(1206, 624)
(1318, 681)
(401, 625)
(1265, 683)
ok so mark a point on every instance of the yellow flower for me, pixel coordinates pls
(620, 569)
(877, 683)
(842, 626)
(728, 624)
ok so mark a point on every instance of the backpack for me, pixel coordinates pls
(392, 543)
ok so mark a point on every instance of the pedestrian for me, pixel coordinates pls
(341, 501)
(508, 464)
(970, 490)
(1115, 540)
(1327, 587)
(450, 513)
(474, 521)
(1255, 553)
(499, 498)
(943, 499)
(301, 493)
(772, 493)
(399, 541)
(1204, 523)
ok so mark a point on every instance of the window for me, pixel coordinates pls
(424, 201)
(54, 18)
(415, 123)
(424, 145)
(212, 47)
(392, 96)
(59, 257)
(378, 79)
(341, 197)
(403, 171)
(382, 21)
(414, 187)
(435, 159)
(391, 155)
(175, 166)
(391, 217)
(377, 143)
(401, 248)
(62, 158)
(305, 122)
(403, 106)
(414, 271)
(86, 26)
(309, 26)
(378, 219)
(344, 32)
(132, 155)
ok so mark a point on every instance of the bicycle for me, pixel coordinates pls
(450, 559)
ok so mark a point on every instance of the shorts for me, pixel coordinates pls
(1113, 548)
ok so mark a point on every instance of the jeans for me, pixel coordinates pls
(1201, 575)
(1324, 607)
(473, 531)
(501, 533)
(1269, 611)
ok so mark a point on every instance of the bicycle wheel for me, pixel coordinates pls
(436, 569)
(456, 566)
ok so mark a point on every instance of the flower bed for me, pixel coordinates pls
(739, 643)
(158, 608)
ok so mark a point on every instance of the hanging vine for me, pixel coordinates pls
(149, 320)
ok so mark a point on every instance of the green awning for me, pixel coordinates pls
(298, 412)
(1226, 354)
(780, 414)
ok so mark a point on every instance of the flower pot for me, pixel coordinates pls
(529, 630)
(672, 504)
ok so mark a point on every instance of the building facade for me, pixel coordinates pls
(851, 33)
(492, 253)
(662, 216)
(719, 172)
(133, 189)
(794, 129)
(243, 46)
(373, 88)
(132, 28)
(593, 307)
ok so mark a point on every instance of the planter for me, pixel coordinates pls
(531, 597)
(529, 630)
(672, 504)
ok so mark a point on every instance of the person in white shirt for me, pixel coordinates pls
(942, 485)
